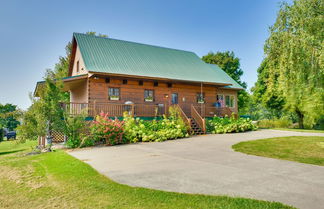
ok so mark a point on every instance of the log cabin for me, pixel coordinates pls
(114, 76)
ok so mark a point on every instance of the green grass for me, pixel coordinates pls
(300, 130)
(57, 180)
(304, 149)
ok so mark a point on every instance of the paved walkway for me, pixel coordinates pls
(208, 165)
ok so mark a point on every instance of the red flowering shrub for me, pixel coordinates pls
(104, 128)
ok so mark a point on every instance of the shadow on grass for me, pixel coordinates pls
(10, 152)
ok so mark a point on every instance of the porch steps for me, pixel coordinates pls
(195, 128)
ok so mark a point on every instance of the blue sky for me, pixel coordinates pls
(33, 34)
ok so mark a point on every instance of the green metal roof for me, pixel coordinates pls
(114, 56)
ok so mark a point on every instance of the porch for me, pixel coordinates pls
(193, 115)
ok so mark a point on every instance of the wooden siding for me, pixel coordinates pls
(132, 91)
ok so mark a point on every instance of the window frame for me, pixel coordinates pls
(198, 97)
(229, 101)
(145, 96)
(109, 94)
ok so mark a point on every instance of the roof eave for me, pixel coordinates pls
(157, 78)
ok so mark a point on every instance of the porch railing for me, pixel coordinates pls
(114, 110)
(198, 119)
(209, 111)
(184, 116)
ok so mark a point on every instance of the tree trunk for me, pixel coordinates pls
(300, 119)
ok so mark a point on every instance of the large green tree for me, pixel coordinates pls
(267, 99)
(46, 112)
(231, 65)
(295, 59)
(9, 115)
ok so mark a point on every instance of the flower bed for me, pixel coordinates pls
(132, 130)
(229, 125)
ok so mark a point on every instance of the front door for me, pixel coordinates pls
(174, 98)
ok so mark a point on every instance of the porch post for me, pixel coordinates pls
(94, 108)
(133, 110)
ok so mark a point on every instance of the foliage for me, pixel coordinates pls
(75, 129)
(34, 178)
(165, 129)
(110, 130)
(219, 125)
(46, 112)
(9, 115)
(1, 134)
(267, 99)
(283, 122)
(294, 72)
(304, 149)
(33, 122)
(231, 65)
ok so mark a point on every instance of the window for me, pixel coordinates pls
(148, 95)
(220, 100)
(156, 83)
(77, 66)
(174, 98)
(124, 81)
(114, 93)
(201, 98)
(140, 83)
(229, 100)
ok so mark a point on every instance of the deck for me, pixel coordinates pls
(190, 113)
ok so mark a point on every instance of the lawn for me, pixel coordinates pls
(304, 149)
(57, 180)
(300, 130)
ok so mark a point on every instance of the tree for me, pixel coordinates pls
(8, 116)
(294, 53)
(264, 98)
(231, 65)
(46, 112)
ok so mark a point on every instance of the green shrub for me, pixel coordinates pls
(1, 134)
(168, 128)
(103, 128)
(75, 128)
(219, 125)
(283, 122)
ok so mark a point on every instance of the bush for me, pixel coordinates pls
(75, 129)
(1, 134)
(111, 131)
(283, 122)
(219, 125)
(168, 128)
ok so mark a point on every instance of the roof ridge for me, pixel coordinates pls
(133, 42)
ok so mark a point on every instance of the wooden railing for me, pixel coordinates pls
(114, 110)
(184, 116)
(198, 119)
(209, 111)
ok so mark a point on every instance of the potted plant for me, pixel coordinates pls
(114, 97)
(149, 99)
(201, 101)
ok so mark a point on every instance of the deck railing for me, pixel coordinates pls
(209, 111)
(184, 116)
(198, 119)
(114, 110)
(143, 110)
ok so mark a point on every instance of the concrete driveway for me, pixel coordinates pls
(208, 165)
